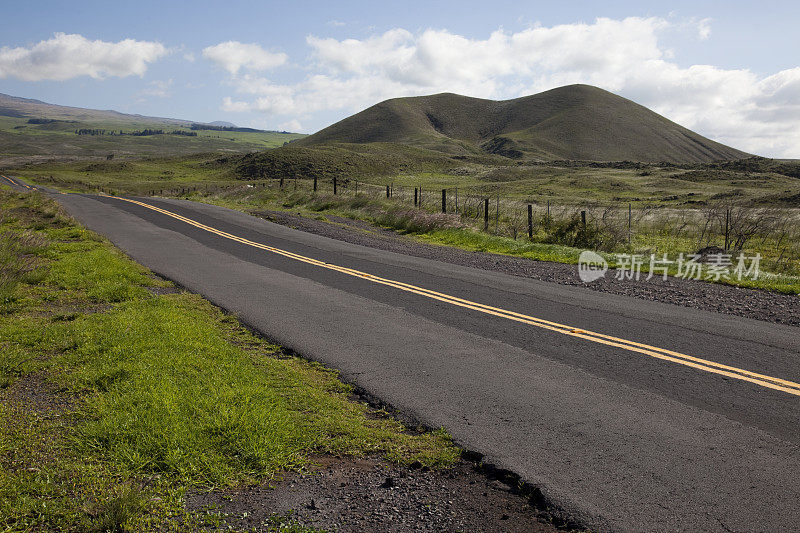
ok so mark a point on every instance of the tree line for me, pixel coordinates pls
(135, 133)
(212, 127)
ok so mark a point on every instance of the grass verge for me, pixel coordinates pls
(118, 398)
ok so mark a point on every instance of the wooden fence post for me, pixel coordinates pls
(315, 184)
(485, 214)
(727, 225)
(444, 200)
(530, 222)
(415, 197)
(334, 185)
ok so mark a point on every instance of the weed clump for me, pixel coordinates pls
(19, 261)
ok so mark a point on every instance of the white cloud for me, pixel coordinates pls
(736, 106)
(234, 56)
(157, 89)
(67, 56)
(438, 59)
(704, 29)
(237, 107)
(292, 125)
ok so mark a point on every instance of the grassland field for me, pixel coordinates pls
(21, 141)
(641, 185)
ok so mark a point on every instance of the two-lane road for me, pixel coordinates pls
(630, 415)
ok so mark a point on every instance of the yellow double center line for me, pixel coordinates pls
(632, 346)
(18, 184)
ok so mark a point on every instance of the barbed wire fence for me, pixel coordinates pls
(608, 226)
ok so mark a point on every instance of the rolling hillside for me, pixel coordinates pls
(34, 131)
(578, 122)
(14, 106)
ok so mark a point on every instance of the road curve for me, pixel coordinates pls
(619, 438)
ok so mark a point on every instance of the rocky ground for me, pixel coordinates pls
(756, 304)
(370, 495)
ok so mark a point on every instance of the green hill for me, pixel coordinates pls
(33, 131)
(577, 122)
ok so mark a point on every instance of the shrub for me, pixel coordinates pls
(572, 232)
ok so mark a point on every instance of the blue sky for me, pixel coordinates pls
(729, 70)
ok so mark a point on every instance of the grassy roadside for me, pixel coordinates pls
(467, 239)
(119, 396)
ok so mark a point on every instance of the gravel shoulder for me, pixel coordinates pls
(725, 299)
(343, 494)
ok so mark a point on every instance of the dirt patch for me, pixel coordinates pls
(71, 310)
(159, 291)
(34, 393)
(726, 299)
(371, 495)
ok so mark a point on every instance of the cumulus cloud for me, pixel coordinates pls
(67, 56)
(228, 104)
(157, 89)
(736, 106)
(234, 56)
(292, 125)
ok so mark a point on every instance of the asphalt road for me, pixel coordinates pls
(622, 436)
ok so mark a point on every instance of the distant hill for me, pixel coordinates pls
(14, 106)
(577, 122)
(222, 123)
(33, 131)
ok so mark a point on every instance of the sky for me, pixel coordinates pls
(728, 70)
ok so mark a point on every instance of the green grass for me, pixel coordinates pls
(482, 242)
(137, 176)
(20, 140)
(160, 393)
